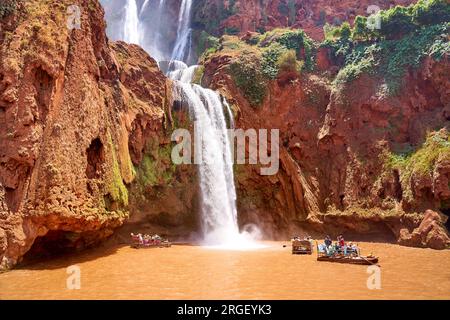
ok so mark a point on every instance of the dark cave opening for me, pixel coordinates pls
(342, 201)
(110, 203)
(446, 210)
(95, 159)
(54, 243)
(398, 186)
(11, 199)
(43, 84)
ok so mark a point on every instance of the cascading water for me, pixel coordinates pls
(155, 43)
(184, 33)
(213, 153)
(213, 149)
(131, 28)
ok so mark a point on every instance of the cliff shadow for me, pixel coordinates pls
(60, 260)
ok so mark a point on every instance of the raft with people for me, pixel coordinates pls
(343, 253)
(302, 246)
(139, 241)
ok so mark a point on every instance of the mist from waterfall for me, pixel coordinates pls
(206, 107)
(144, 22)
(131, 28)
(155, 41)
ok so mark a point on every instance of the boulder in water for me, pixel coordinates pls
(431, 233)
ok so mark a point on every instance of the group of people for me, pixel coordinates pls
(340, 247)
(146, 239)
(297, 238)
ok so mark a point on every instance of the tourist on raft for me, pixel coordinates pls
(341, 245)
(328, 241)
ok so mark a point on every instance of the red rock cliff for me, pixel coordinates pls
(78, 116)
(336, 140)
(225, 16)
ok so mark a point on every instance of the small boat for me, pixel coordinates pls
(352, 256)
(146, 242)
(360, 260)
(302, 246)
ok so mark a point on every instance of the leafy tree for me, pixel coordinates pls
(396, 22)
(427, 12)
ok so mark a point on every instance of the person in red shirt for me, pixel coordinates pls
(341, 241)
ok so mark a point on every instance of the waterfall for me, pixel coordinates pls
(154, 43)
(213, 149)
(184, 33)
(209, 112)
(131, 28)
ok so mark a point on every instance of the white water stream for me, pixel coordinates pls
(207, 108)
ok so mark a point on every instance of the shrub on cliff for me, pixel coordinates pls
(422, 161)
(399, 21)
(288, 63)
(406, 37)
(262, 58)
(248, 76)
(431, 12)
(270, 59)
(303, 45)
(390, 59)
(394, 22)
(206, 44)
(342, 32)
(289, 46)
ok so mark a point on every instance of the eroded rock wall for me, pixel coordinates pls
(334, 175)
(240, 16)
(77, 116)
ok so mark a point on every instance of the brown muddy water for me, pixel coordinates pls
(194, 272)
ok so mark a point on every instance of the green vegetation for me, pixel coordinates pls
(263, 57)
(156, 167)
(423, 160)
(288, 62)
(207, 44)
(291, 40)
(395, 22)
(232, 30)
(270, 58)
(117, 189)
(390, 59)
(407, 35)
(210, 20)
(198, 75)
(226, 12)
(248, 76)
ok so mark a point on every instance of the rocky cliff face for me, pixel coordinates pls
(82, 123)
(354, 159)
(238, 17)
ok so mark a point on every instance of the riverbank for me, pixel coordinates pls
(193, 272)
